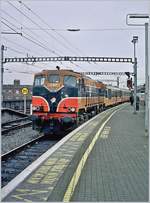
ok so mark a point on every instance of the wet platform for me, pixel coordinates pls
(105, 159)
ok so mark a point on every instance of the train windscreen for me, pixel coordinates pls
(53, 78)
(39, 80)
(70, 81)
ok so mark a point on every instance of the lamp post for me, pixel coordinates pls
(143, 20)
(135, 39)
(146, 80)
(2, 71)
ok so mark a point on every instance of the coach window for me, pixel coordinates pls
(101, 92)
(70, 81)
(39, 80)
(53, 78)
(109, 93)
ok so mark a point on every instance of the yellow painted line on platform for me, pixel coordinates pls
(76, 175)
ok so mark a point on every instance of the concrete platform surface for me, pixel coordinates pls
(117, 168)
(105, 159)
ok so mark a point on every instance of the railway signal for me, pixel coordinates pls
(129, 83)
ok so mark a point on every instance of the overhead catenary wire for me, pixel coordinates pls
(85, 29)
(14, 50)
(49, 27)
(18, 45)
(44, 22)
(28, 34)
(37, 25)
(64, 45)
(36, 42)
(52, 29)
(9, 26)
(31, 40)
(24, 72)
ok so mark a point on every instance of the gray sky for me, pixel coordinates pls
(103, 32)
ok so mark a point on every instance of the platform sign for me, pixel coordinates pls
(24, 91)
(137, 19)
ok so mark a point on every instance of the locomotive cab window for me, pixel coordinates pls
(39, 80)
(53, 78)
(70, 81)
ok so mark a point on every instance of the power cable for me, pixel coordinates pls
(31, 36)
(12, 49)
(50, 28)
(38, 26)
(29, 39)
(9, 27)
(64, 45)
(27, 7)
(24, 72)
(35, 42)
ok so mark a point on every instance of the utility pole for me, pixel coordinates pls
(146, 80)
(135, 39)
(2, 71)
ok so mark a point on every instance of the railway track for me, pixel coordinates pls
(15, 161)
(15, 124)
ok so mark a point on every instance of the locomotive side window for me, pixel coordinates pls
(101, 92)
(39, 80)
(53, 78)
(70, 81)
(109, 93)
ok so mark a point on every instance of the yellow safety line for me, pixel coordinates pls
(76, 176)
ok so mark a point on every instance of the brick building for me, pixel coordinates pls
(13, 97)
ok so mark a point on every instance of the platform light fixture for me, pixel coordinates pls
(143, 20)
(134, 41)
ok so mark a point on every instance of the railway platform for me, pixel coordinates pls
(105, 159)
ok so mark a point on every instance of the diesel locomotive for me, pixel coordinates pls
(61, 98)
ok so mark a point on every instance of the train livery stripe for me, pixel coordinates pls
(67, 102)
(56, 90)
(38, 101)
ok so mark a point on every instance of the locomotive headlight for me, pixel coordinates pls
(36, 108)
(53, 99)
(33, 108)
(72, 109)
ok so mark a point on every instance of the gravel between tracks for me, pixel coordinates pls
(16, 138)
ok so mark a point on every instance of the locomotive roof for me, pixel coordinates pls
(58, 71)
(67, 71)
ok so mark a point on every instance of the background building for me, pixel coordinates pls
(13, 97)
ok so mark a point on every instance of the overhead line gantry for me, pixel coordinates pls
(69, 58)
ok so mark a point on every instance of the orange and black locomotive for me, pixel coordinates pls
(62, 97)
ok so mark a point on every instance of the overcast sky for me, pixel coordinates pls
(103, 32)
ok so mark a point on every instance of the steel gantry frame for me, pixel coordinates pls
(68, 58)
(105, 73)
